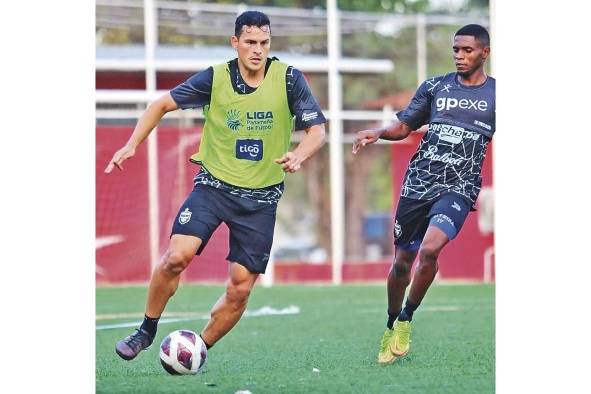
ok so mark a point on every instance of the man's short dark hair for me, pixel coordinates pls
(476, 31)
(251, 18)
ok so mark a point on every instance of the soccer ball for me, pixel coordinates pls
(182, 352)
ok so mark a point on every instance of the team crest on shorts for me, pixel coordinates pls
(185, 216)
(397, 230)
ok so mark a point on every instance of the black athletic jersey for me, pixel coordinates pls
(461, 124)
(195, 92)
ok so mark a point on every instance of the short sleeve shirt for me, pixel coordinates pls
(461, 124)
(195, 92)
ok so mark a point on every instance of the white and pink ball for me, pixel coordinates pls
(183, 352)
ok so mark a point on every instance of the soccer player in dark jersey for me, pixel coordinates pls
(249, 105)
(443, 177)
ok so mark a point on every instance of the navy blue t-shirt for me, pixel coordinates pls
(461, 124)
(195, 92)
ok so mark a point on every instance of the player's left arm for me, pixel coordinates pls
(308, 117)
(313, 140)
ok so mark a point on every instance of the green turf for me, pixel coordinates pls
(337, 332)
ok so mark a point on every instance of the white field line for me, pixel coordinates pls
(187, 316)
(442, 308)
(435, 308)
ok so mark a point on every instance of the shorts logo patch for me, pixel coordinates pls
(456, 206)
(442, 218)
(249, 149)
(185, 216)
(397, 230)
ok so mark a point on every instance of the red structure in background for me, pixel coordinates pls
(462, 259)
(122, 217)
(122, 206)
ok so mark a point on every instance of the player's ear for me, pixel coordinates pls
(234, 42)
(485, 53)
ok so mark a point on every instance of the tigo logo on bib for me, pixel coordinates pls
(249, 149)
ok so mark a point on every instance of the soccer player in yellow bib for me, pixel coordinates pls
(249, 105)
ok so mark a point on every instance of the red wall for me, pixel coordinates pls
(122, 211)
(122, 207)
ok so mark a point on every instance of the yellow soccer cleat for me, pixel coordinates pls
(400, 345)
(385, 356)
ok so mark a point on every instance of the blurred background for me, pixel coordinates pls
(363, 61)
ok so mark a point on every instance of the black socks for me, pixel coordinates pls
(391, 318)
(409, 309)
(404, 315)
(150, 325)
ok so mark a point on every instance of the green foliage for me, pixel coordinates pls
(380, 193)
(337, 332)
(275, 3)
(349, 5)
(384, 5)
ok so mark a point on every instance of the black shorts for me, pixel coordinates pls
(447, 212)
(251, 224)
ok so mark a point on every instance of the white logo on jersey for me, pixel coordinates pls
(309, 116)
(432, 85)
(448, 103)
(456, 206)
(185, 216)
(453, 134)
(445, 88)
(482, 124)
(446, 158)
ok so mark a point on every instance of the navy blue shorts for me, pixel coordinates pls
(251, 224)
(447, 212)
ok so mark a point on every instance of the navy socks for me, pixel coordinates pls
(407, 312)
(391, 318)
(150, 325)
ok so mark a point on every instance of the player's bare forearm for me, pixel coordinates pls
(393, 132)
(313, 140)
(146, 123)
(150, 119)
(396, 131)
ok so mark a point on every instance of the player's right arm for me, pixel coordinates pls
(396, 131)
(412, 118)
(146, 123)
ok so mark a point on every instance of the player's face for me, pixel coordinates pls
(469, 54)
(253, 47)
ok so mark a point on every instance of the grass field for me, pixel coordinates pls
(336, 332)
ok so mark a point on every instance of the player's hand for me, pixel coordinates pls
(119, 157)
(290, 162)
(363, 138)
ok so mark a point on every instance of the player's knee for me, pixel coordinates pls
(401, 267)
(174, 263)
(428, 254)
(238, 292)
